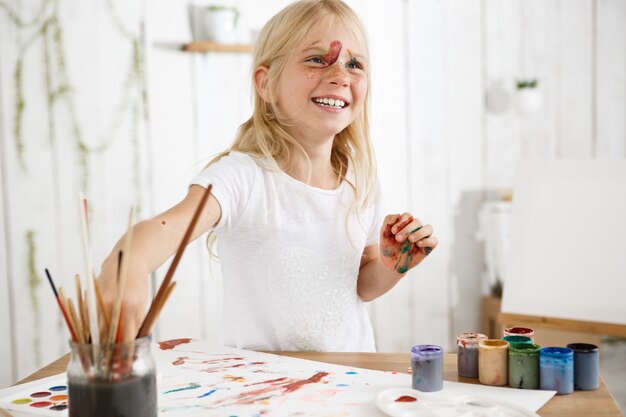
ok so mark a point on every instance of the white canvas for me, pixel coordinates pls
(568, 249)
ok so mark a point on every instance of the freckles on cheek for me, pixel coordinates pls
(312, 75)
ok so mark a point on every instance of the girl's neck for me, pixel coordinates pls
(322, 174)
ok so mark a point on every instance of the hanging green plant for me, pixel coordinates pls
(47, 29)
(34, 281)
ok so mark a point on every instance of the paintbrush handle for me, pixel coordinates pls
(158, 300)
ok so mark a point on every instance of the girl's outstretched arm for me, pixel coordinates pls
(404, 243)
(153, 242)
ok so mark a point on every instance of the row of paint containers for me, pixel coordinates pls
(513, 360)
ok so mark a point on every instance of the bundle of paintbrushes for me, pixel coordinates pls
(95, 327)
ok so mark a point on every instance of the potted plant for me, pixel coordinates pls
(219, 24)
(528, 97)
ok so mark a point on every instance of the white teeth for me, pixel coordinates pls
(330, 102)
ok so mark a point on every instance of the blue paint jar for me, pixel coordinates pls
(556, 369)
(427, 367)
(586, 366)
(518, 339)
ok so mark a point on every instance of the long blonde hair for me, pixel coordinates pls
(264, 135)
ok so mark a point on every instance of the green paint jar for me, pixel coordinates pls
(518, 339)
(524, 365)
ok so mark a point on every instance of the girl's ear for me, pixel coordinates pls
(260, 82)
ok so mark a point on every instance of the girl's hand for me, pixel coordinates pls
(405, 242)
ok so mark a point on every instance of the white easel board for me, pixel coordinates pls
(568, 241)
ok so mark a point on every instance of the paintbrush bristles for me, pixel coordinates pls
(158, 300)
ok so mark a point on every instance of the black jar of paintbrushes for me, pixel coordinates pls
(114, 381)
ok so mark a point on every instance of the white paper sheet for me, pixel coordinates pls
(197, 379)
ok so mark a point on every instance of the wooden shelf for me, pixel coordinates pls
(208, 46)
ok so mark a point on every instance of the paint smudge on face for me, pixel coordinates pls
(41, 394)
(333, 53)
(22, 401)
(192, 385)
(342, 385)
(171, 344)
(351, 373)
(405, 399)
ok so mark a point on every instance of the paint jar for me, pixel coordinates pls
(556, 369)
(519, 331)
(493, 358)
(467, 354)
(524, 365)
(117, 380)
(586, 366)
(427, 367)
(518, 339)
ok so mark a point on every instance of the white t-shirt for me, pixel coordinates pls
(289, 268)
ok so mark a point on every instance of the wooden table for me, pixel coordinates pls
(597, 403)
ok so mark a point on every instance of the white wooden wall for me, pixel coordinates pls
(440, 153)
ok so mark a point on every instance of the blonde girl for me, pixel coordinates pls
(295, 204)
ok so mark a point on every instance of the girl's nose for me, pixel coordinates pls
(338, 75)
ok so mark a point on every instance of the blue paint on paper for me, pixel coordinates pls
(192, 385)
(351, 373)
(206, 394)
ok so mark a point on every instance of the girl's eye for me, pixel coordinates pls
(353, 63)
(316, 60)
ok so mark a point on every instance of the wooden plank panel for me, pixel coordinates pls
(172, 156)
(503, 139)
(428, 167)
(574, 77)
(466, 175)
(391, 314)
(611, 79)
(7, 370)
(538, 51)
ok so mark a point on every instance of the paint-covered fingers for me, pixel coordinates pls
(428, 244)
(401, 223)
(386, 231)
(405, 242)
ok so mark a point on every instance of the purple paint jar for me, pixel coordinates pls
(556, 369)
(520, 331)
(586, 366)
(427, 367)
(467, 354)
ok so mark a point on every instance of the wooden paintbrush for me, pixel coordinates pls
(61, 307)
(159, 299)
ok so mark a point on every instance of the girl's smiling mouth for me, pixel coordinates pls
(331, 102)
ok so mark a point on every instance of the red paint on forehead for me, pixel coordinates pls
(333, 53)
